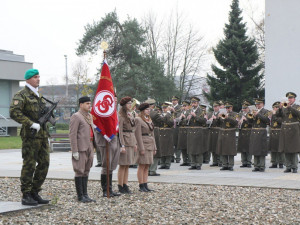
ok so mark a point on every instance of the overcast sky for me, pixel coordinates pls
(46, 30)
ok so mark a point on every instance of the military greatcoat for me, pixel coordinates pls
(244, 135)
(275, 126)
(166, 135)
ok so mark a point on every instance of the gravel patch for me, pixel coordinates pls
(169, 204)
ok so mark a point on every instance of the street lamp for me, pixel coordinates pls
(66, 57)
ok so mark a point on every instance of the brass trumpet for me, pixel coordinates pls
(223, 116)
(285, 105)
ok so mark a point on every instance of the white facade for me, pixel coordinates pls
(282, 21)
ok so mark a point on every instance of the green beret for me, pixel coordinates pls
(30, 73)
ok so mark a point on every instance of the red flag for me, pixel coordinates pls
(104, 106)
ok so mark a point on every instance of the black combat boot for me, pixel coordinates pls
(287, 170)
(255, 169)
(121, 189)
(28, 200)
(79, 190)
(103, 185)
(84, 186)
(126, 188)
(224, 168)
(273, 166)
(294, 170)
(146, 187)
(142, 188)
(244, 165)
(39, 199)
(110, 187)
(280, 166)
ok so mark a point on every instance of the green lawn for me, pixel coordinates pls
(16, 142)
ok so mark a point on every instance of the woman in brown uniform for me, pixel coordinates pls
(144, 134)
(128, 143)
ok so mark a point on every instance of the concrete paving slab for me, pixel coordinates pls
(6, 207)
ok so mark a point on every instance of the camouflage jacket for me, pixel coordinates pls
(26, 108)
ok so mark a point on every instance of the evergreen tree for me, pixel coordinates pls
(238, 75)
(134, 72)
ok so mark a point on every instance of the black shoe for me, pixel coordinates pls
(28, 200)
(255, 170)
(243, 166)
(154, 174)
(167, 168)
(172, 160)
(294, 170)
(219, 165)
(249, 166)
(280, 166)
(110, 187)
(193, 168)
(205, 162)
(126, 189)
(198, 167)
(177, 160)
(261, 169)
(121, 189)
(98, 165)
(214, 164)
(39, 199)
(146, 187)
(79, 189)
(162, 167)
(84, 186)
(287, 170)
(230, 168)
(224, 168)
(142, 188)
(273, 166)
(184, 164)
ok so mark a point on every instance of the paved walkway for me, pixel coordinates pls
(61, 168)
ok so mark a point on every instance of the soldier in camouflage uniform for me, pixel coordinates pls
(289, 141)
(26, 108)
(277, 158)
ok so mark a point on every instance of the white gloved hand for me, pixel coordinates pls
(36, 126)
(75, 155)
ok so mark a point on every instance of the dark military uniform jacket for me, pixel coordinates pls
(176, 114)
(166, 135)
(289, 141)
(258, 137)
(157, 121)
(213, 132)
(195, 140)
(275, 127)
(226, 140)
(182, 135)
(26, 108)
(244, 134)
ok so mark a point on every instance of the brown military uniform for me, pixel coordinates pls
(176, 114)
(275, 127)
(213, 138)
(258, 138)
(182, 138)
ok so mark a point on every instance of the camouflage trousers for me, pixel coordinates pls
(35, 154)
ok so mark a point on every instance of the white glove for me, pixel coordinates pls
(36, 126)
(75, 155)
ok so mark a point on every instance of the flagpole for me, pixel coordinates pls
(107, 151)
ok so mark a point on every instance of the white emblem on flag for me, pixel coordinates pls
(104, 104)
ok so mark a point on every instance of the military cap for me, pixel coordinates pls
(195, 99)
(158, 107)
(258, 101)
(144, 106)
(125, 100)
(245, 104)
(203, 106)
(175, 98)
(216, 104)
(166, 104)
(150, 101)
(30, 73)
(290, 95)
(186, 102)
(221, 102)
(84, 99)
(276, 104)
(228, 104)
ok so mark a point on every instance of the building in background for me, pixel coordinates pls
(282, 49)
(12, 70)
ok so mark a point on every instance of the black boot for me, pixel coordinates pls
(126, 188)
(79, 190)
(110, 187)
(280, 166)
(121, 189)
(28, 200)
(146, 187)
(273, 166)
(142, 188)
(84, 186)
(38, 198)
(103, 185)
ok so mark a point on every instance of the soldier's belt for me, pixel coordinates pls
(165, 128)
(258, 128)
(275, 129)
(129, 131)
(227, 128)
(194, 127)
(293, 123)
(246, 128)
(146, 135)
